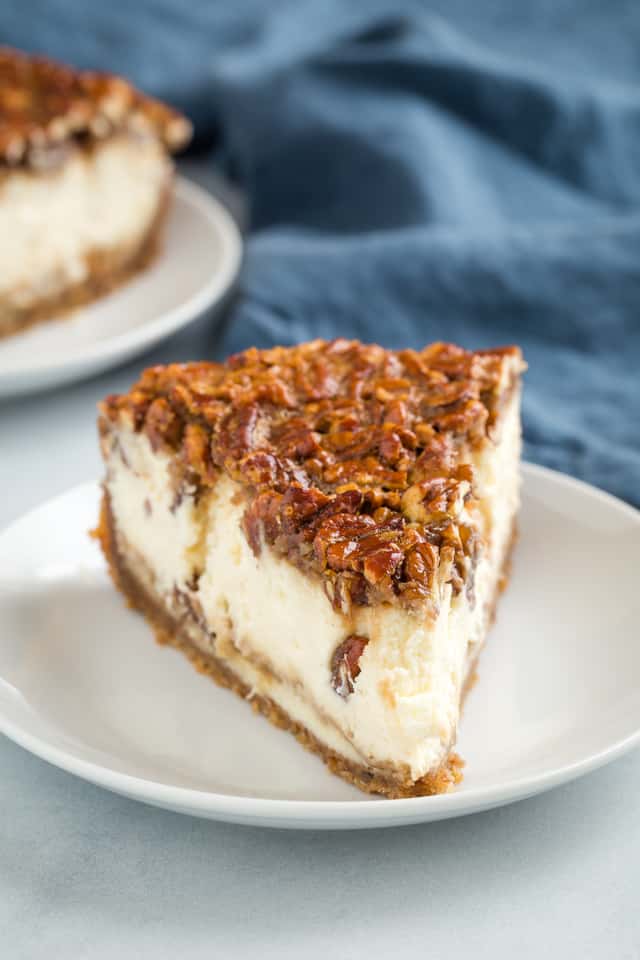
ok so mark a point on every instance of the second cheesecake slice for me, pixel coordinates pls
(85, 184)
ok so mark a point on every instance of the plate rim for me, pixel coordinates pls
(367, 812)
(128, 343)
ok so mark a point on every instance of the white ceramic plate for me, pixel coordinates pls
(197, 266)
(83, 685)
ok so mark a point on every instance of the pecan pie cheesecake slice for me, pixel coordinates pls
(85, 181)
(324, 529)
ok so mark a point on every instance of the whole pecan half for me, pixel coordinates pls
(345, 664)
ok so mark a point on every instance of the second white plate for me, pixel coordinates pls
(83, 685)
(197, 266)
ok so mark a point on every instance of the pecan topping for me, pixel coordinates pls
(345, 664)
(355, 460)
(44, 106)
(164, 428)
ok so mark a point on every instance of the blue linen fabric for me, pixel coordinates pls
(456, 171)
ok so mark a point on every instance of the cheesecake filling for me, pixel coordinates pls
(274, 627)
(99, 201)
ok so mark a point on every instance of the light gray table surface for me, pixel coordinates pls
(85, 873)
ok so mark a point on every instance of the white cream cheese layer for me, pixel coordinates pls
(97, 201)
(404, 710)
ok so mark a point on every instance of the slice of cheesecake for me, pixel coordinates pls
(325, 529)
(85, 181)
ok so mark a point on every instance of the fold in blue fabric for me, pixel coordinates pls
(469, 175)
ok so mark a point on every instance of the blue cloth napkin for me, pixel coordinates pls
(458, 171)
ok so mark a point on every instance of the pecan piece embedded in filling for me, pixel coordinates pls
(345, 664)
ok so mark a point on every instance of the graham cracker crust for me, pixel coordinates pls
(107, 271)
(168, 632)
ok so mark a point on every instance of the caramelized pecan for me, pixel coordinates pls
(163, 427)
(196, 452)
(345, 664)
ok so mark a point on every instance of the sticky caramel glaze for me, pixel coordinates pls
(356, 459)
(45, 104)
